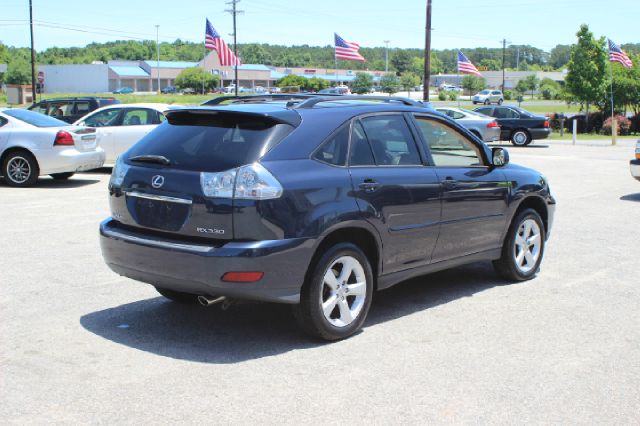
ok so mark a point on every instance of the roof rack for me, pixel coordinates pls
(258, 98)
(313, 101)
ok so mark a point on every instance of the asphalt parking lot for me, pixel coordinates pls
(80, 344)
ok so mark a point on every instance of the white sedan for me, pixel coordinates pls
(120, 126)
(34, 144)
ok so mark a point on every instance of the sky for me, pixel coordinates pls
(455, 23)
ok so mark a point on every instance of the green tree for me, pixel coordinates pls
(194, 78)
(531, 82)
(362, 83)
(390, 83)
(291, 80)
(18, 72)
(522, 87)
(401, 61)
(490, 64)
(254, 54)
(315, 84)
(473, 83)
(550, 89)
(408, 81)
(560, 56)
(586, 79)
(626, 87)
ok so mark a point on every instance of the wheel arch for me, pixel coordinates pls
(13, 149)
(536, 203)
(363, 237)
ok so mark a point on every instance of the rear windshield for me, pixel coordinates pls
(107, 101)
(211, 143)
(34, 118)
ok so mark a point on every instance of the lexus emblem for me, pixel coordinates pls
(157, 181)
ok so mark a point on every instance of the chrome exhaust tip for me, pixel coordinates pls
(208, 301)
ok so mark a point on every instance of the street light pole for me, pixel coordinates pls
(386, 56)
(158, 55)
(234, 11)
(427, 55)
(33, 57)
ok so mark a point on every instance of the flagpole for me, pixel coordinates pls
(614, 124)
(204, 65)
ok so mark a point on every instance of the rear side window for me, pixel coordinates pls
(3, 121)
(138, 117)
(61, 109)
(391, 140)
(505, 113)
(82, 108)
(485, 111)
(211, 142)
(334, 150)
(361, 154)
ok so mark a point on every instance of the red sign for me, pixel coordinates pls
(40, 77)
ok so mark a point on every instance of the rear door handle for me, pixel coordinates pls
(369, 185)
(450, 183)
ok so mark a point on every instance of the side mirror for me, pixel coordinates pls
(500, 157)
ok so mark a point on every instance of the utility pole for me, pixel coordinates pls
(158, 55)
(33, 57)
(504, 52)
(518, 58)
(427, 55)
(233, 11)
(386, 56)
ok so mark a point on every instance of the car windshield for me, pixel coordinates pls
(34, 118)
(484, 92)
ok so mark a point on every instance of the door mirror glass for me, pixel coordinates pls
(500, 157)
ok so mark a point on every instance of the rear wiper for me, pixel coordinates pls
(160, 159)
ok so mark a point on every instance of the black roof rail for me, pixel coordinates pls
(311, 102)
(258, 98)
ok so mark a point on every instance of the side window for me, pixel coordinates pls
(137, 117)
(485, 111)
(506, 113)
(108, 117)
(334, 150)
(391, 140)
(3, 121)
(161, 118)
(495, 92)
(448, 147)
(41, 108)
(361, 154)
(60, 109)
(82, 108)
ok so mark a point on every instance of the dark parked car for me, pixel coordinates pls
(517, 125)
(317, 203)
(169, 89)
(71, 109)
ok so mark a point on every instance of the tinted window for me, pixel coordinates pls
(3, 121)
(211, 143)
(448, 147)
(505, 113)
(108, 101)
(108, 117)
(138, 117)
(60, 109)
(361, 154)
(41, 108)
(451, 113)
(82, 108)
(391, 141)
(495, 92)
(334, 150)
(485, 111)
(34, 118)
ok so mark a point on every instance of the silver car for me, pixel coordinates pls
(484, 127)
(488, 97)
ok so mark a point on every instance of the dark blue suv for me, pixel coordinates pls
(317, 202)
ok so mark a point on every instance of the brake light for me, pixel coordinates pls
(250, 182)
(546, 123)
(638, 150)
(63, 138)
(493, 124)
(242, 277)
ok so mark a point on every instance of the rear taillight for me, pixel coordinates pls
(546, 124)
(250, 182)
(493, 124)
(638, 150)
(63, 138)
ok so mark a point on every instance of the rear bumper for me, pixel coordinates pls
(634, 167)
(198, 269)
(68, 159)
(540, 133)
(491, 134)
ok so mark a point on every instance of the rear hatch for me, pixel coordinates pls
(180, 178)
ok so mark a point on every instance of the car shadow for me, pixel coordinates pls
(50, 183)
(631, 197)
(256, 330)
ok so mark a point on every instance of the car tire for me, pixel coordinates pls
(487, 102)
(334, 305)
(62, 176)
(179, 297)
(520, 137)
(20, 169)
(523, 247)
(500, 101)
(474, 102)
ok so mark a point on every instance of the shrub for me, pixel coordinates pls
(635, 124)
(453, 95)
(623, 124)
(508, 95)
(442, 96)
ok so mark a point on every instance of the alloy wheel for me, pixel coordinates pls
(527, 246)
(18, 169)
(344, 291)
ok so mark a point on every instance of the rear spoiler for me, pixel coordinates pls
(184, 115)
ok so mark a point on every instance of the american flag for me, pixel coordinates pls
(617, 55)
(348, 50)
(465, 66)
(213, 41)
